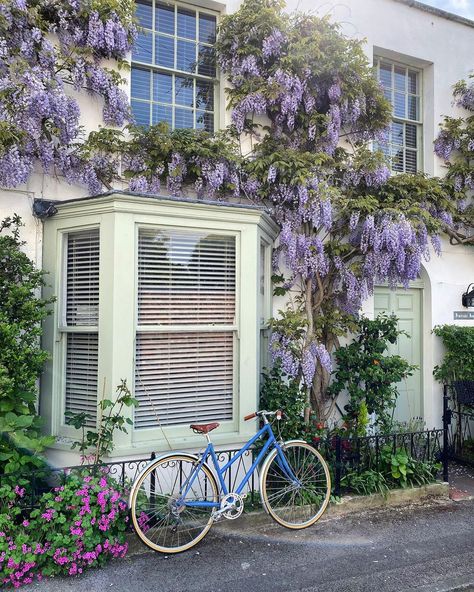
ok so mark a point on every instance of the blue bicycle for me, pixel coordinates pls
(176, 498)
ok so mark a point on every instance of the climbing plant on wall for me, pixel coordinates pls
(455, 145)
(305, 105)
(46, 48)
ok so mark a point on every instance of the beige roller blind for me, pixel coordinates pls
(185, 367)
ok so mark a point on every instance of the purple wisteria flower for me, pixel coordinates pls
(254, 103)
(272, 45)
(445, 144)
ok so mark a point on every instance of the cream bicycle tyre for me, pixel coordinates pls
(296, 507)
(161, 529)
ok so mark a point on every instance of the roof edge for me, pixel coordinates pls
(438, 12)
(50, 206)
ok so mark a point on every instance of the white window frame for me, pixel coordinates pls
(152, 68)
(405, 120)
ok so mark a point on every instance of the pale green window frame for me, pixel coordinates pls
(66, 331)
(265, 291)
(119, 216)
(174, 71)
(404, 123)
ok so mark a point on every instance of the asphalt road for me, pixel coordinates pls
(428, 549)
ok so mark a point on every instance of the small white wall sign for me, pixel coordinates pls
(463, 315)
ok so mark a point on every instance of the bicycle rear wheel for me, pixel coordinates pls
(162, 520)
(295, 498)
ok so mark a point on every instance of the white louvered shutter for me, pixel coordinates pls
(186, 334)
(82, 310)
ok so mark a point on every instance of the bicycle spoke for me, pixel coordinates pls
(160, 518)
(296, 502)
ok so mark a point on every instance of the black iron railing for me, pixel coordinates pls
(459, 423)
(344, 456)
(356, 455)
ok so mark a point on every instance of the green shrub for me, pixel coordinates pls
(403, 470)
(365, 482)
(458, 361)
(369, 375)
(278, 392)
(21, 357)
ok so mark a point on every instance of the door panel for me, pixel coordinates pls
(406, 305)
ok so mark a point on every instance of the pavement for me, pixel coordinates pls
(426, 547)
(461, 482)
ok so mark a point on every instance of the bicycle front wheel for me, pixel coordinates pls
(295, 489)
(161, 515)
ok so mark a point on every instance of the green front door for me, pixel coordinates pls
(407, 306)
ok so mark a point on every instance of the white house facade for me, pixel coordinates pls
(195, 353)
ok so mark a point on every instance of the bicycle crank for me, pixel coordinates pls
(232, 506)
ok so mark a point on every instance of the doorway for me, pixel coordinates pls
(407, 306)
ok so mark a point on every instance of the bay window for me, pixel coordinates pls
(170, 295)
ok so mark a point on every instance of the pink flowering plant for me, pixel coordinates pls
(77, 525)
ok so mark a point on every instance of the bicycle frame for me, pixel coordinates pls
(220, 471)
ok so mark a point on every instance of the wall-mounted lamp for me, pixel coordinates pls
(468, 297)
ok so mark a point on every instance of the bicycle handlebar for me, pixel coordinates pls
(278, 413)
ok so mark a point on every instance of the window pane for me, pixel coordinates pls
(413, 82)
(140, 83)
(397, 133)
(183, 118)
(205, 121)
(183, 378)
(162, 113)
(162, 88)
(413, 108)
(144, 13)
(82, 279)
(386, 75)
(164, 51)
(410, 135)
(164, 16)
(206, 61)
(141, 112)
(186, 23)
(184, 91)
(411, 161)
(81, 374)
(400, 78)
(186, 278)
(207, 28)
(141, 51)
(397, 158)
(205, 95)
(186, 56)
(399, 109)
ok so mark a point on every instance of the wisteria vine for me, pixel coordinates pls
(455, 145)
(46, 47)
(303, 97)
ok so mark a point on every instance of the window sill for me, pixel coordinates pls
(192, 443)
